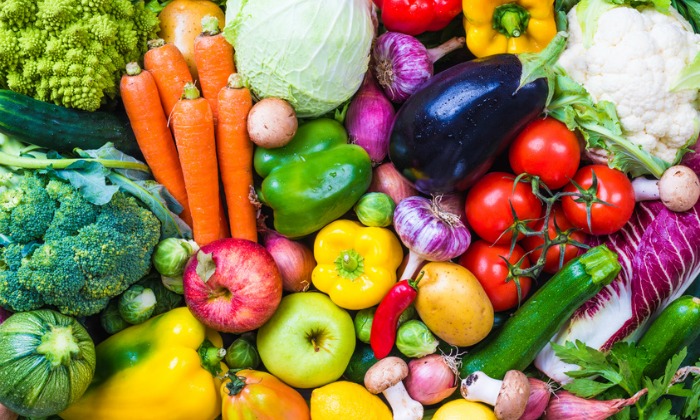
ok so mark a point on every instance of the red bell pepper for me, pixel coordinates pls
(382, 336)
(414, 17)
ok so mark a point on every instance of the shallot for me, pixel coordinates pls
(294, 259)
(386, 179)
(566, 406)
(431, 378)
(402, 63)
(429, 232)
(369, 120)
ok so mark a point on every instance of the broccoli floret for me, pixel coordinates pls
(71, 52)
(85, 255)
(26, 211)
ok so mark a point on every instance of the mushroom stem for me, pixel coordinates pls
(402, 405)
(481, 388)
(645, 189)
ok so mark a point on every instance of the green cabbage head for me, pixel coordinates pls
(312, 53)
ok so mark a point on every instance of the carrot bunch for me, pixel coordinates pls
(195, 143)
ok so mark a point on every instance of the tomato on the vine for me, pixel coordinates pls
(605, 200)
(487, 264)
(548, 149)
(557, 225)
(488, 207)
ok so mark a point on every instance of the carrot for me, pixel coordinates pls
(193, 127)
(213, 56)
(142, 104)
(169, 69)
(235, 154)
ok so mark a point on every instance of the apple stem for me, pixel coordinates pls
(211, 357)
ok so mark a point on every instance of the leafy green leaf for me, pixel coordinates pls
(109, 152)
(658, 387)
(90, 179)
(591, 361)
(206, 267)
(689, 77)
(631, 361)
(156, 198)
(691, 408)
(690, 10)
(661, 411)
(587, 388)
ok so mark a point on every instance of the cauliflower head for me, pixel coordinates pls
(632, 57)
(71, 52)
(75, 256)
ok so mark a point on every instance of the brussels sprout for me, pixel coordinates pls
(407, 315)
(174, 284)
(137, 304)
(375, 209)
(111, 320)
(165, 298)
(171, 256)
(363, 323)
(414, 339)
(242, 354)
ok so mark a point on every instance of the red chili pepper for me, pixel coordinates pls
(382, 336)
(414, 17)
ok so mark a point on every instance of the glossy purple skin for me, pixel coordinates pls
(401, 64)
(427, 232)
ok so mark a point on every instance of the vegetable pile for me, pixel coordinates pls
(423, 209)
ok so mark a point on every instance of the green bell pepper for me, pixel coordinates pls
(316, 178)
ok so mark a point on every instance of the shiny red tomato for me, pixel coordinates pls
(488, 206)
(558, 223)
(609, 194)
(486, 262)
(548, 149)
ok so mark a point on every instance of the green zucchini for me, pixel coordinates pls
(676, 327)
(63, 129)
(523, 335)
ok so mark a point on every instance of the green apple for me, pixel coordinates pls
(308, 342)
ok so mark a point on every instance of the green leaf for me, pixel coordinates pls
(690, 10)
(691, 409)
(90, 179)
(591, 361)
(661, 411)
(689, 77)
(109, 152)
(658, 387)
(631, 362)
(206, 267)
(587, 388)
(588, 13)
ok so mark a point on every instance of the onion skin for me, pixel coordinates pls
(540, 393)
(369, 119)
(454, 203)
(294, 260)
(386, 179)
(430, 379)
(429, 231)
(567, 406)
(4, 314)
(403, 64)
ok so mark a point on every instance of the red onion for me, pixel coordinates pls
(454, 203)
(402, 63)
(566, 406)
(431, 378)
(386, 179)
(7, 414)
(537, 402)
(429, 232)
(294, 260)
(4, 314)
(369, 119)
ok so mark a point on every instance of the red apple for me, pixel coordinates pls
(232, 285)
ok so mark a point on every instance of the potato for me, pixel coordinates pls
(452, 303)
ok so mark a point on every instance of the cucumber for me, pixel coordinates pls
(62, 129)
(676, 327)
(523, 335)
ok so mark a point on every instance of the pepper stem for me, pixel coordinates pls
(350, 264)
(58, 346)
(211, 357)
(511, 20)
(236, 383)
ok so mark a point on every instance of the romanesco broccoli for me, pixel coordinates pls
(66, 252)
(71, 52)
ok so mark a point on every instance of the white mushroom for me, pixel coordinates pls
(385, 376)
(508, 397)
(678, 189)
(272, 123)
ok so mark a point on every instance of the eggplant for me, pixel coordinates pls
(449, 133)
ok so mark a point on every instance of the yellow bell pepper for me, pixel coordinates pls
(356, 265)
(165, 368)
(508, 26)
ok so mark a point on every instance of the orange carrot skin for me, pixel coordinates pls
(193, 126)
(169, 69)
(213, 56)
(143, 107)
(235, 153)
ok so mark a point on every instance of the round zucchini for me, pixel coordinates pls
(47, 361)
